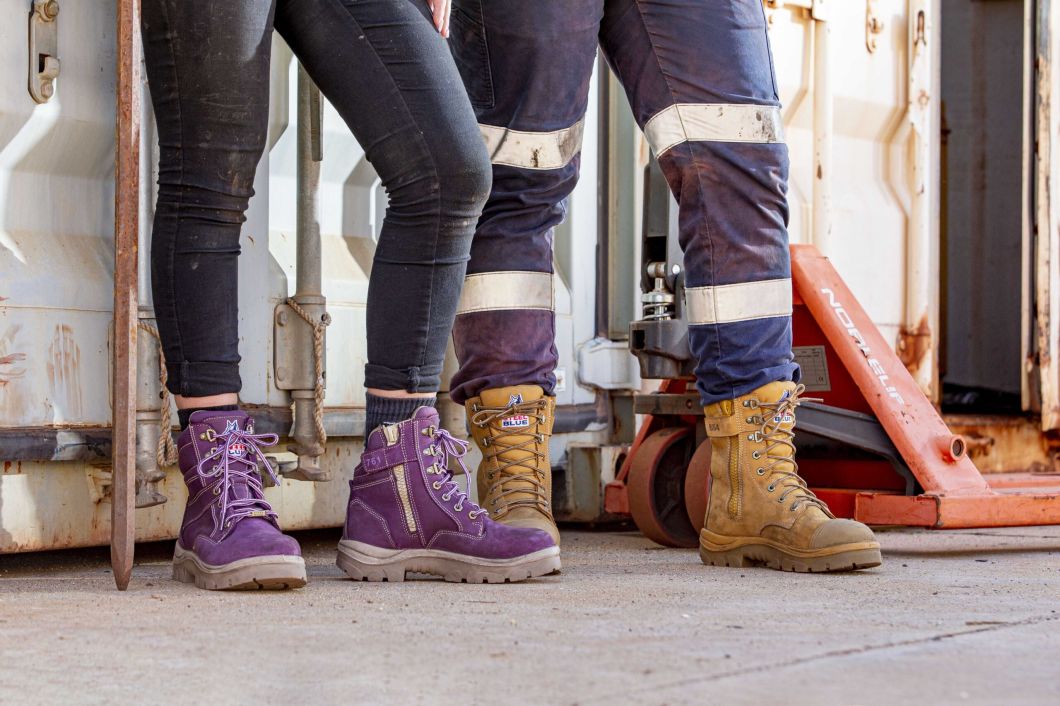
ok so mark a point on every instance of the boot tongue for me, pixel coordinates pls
(238, 451)
(219, 421)
(504, 397)
(773, 394)
(514, 429)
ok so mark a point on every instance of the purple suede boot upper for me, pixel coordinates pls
(227, 517)
(403, 496)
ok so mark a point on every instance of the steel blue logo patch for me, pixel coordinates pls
(518, 421)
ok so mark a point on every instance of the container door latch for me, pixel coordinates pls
(43, 49)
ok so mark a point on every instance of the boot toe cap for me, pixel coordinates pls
(537, 521)
(250, 538)
(509, 541)
(838, 532)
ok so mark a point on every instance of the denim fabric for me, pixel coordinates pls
(527, 68)
(391, 78)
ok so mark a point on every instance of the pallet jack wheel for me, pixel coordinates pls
(656, 486)
(697, 485)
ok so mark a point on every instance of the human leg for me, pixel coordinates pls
(390, 76)
(527, 68)
(211, 128)
(699, 77)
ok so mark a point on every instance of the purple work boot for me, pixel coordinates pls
(230, 538)
(407, 513)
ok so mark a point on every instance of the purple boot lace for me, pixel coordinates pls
(445, 447)
(234, 460)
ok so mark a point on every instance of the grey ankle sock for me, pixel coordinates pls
(391, 410)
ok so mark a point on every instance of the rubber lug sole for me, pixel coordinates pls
(363, 562)
(853, 558)
(270, 573)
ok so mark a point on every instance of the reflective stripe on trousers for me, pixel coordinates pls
(699, 77)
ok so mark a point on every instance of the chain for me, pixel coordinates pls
(318, 364)
(166, 453)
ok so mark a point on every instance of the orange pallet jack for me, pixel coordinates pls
(875, 448)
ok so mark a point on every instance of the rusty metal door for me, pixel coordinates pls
(1046, 232)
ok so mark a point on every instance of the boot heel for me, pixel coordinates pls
(734, 558)
(361, 571)
(182, 574)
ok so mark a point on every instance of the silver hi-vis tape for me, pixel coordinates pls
(495, 291)
(729, 303)
(533, 150)
(713, 122)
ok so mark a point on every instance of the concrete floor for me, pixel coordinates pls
(957, 617)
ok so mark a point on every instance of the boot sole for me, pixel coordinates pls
(364, 562)
(271, 573)
(744, 552)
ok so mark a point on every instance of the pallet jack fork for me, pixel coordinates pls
(901, 465)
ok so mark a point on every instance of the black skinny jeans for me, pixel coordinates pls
(389, 74)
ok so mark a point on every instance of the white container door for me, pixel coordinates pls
(1047, 211)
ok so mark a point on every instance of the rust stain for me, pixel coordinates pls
(914, 344)
(1004, 444)
(64, 371)
(9, 370)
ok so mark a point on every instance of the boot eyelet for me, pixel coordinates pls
(760, 471)
(228, 525)
(436, 485)
(771, 488)
(217, 490)
(754, 455)
(458, 508)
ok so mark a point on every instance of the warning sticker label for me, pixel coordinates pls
(814, 366)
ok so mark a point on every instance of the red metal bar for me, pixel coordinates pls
(935, 455)
(126, 233)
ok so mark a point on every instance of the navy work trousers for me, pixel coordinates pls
(699, 77)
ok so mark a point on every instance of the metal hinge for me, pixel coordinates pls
(43, 49)
(873, 26)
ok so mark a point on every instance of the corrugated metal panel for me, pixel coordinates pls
(56, 211)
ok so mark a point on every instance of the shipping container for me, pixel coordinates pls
(922, 137)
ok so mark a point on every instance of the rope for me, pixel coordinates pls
(166, 453)
(318, 365)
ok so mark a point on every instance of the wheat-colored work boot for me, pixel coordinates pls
(511, 426)
(760, 511)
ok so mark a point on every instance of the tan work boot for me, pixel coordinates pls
(511, 426)
(760, 510)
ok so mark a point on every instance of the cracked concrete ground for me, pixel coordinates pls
(967, 617)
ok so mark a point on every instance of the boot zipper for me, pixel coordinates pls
(403, 494)
(735, 479)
